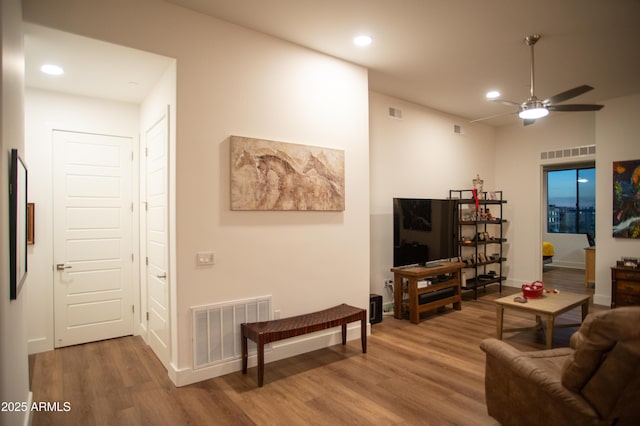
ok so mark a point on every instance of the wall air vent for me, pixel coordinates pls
(395, 113)
(578, 151)
(216, 329)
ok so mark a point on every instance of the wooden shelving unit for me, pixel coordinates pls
(481, 233)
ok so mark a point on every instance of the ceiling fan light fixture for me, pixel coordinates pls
(533, 113)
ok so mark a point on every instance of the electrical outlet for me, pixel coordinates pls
(276, 314)
(205, 258)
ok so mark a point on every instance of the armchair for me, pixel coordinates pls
(594, 381)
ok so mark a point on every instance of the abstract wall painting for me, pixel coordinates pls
(274, 176)
(626, 199)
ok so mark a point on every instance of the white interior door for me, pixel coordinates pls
(157, 221)
(93, 251)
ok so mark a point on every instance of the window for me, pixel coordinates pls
(571, 201)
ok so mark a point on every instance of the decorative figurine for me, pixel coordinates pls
(477, 185)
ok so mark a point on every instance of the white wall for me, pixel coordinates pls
(568, 248)
(44, 112)
(614, 131)
(519, 173)
(419, 156)
(617, 130)
(14, 369)
(232, 81)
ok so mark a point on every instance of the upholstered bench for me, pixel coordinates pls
(271, 331)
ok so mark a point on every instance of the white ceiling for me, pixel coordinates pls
(446, 54)
(92, 68)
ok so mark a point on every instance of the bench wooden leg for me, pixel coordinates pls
(245, 350)
(245, 354)
(363, 333)
(344, 334)
(260, 362)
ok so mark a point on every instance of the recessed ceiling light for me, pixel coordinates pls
(492, 94)
(52, 69)
(362, 40)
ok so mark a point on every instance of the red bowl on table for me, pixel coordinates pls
(533, 290)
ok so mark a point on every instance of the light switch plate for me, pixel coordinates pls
(205, 258)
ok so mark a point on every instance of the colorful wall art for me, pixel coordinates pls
(268, 175)
(626, 199)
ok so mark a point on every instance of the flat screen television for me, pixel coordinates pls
(425, 231)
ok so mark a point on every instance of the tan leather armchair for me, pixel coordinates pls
(594, 381)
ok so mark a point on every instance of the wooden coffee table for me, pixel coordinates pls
(549, 306)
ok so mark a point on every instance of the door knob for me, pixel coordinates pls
(62, 267)
(162, 276)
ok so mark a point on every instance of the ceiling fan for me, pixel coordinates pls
(534, 108)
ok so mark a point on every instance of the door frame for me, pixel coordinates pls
(155, 118)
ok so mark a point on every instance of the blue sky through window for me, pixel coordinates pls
(562, 188)
(571, 196)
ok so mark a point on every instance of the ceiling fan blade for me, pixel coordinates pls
(571, 93)
(528, 121)
(492, 116)
(575, 107)
(504, 102)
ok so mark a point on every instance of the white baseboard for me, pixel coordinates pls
(603, 300)
(41, 344)
(28, 417)
(566, 264)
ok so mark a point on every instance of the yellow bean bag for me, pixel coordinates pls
(547, 252)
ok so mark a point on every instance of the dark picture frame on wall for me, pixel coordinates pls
(626, 191)
(17, 224)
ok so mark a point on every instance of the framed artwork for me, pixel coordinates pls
(272, 176)
(31, 213)
(17, 224)
(626, 199)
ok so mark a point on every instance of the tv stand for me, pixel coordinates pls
(413, 274)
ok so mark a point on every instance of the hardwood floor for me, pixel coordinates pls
(429, 373)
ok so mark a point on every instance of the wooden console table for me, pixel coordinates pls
(589, 266)
(413, 274)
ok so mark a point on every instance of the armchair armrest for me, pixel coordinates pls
(529, 384)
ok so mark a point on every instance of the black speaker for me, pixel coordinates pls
(375, 308)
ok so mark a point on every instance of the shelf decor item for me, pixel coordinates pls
(630, 262)
(478, 185)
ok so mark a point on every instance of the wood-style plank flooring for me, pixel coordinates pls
(430, 373)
